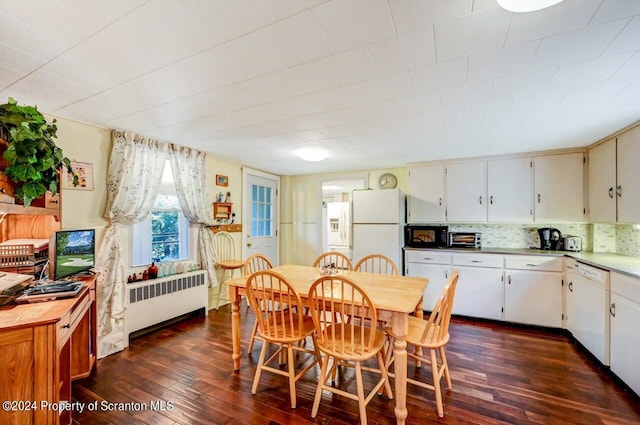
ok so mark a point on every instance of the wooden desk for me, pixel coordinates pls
(395, 297)
(43, 347)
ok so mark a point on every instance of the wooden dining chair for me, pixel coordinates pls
(346, 343)
(377, 263)
(433, 335)
(338, 259)
(254, 263)
(276, 305)
(224, 252)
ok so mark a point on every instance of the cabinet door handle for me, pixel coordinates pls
(440, 201)
(509, 279)
(611, 192)
(570, 286)
(612, 309)
(480, 200)
(446, 274)
(67, 326)
(491, 199)
(538, 198)
(476, 261)
(532, 265)
(619, 191)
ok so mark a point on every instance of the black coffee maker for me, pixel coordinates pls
(549, 238)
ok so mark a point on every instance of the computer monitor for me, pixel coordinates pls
(74, 252)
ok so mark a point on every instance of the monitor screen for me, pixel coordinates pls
(75, 252)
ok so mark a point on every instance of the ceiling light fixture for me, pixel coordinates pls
(526, 5)
(312, 154)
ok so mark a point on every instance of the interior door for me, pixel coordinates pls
(260, 215)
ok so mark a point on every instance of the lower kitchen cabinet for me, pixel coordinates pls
(625, 337)
(433, 265)
(533, 298)
(480, 288)
(533, 290)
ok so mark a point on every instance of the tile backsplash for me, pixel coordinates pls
(619, 238)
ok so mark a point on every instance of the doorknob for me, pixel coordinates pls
(249, 244)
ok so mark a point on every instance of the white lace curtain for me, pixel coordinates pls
(133, 177)
(189, 176)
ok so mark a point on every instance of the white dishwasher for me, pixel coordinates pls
(587, 308)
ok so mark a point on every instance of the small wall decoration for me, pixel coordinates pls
(84, 170)
(222, 180)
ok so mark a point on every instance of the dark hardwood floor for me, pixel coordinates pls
(501, 375)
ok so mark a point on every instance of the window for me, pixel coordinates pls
(164, 234)
(261, 210)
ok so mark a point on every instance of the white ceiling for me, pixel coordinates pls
(378, 83)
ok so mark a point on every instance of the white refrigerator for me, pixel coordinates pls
(378, 224)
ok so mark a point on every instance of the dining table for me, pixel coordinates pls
(395, 298)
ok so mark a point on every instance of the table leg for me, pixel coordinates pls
(419, 313)
(399, 329)
(235, 326)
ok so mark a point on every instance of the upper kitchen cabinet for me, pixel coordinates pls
(628, 173)
(614, 179)
(602, 182)
(510, 189)
(559, 188)
(426, 203)
(466, 184)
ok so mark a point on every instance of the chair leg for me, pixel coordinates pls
(256, 377)
(254, 332)
(321, 381)
(383, 372)
(445, 365)
(361, 399)
(292, 375)
(220, 289)
(436, 382)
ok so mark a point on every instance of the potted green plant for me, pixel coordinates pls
(34, 161)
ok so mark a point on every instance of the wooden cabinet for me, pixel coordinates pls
(614, 179)
(628, 177)
(480, 287)
(602, 183)
(510, 190)
(43, 347)
(466, 184)
(533, 290)
(433, 265)
(222, 210)
(625, 338)
(426, 201)
(559, 188)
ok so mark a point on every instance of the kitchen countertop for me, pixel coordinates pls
(623, 264)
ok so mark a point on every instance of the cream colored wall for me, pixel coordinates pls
(83, 209)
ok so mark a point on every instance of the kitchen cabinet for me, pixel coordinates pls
(559, 188)
(625, 338)
(587, 307)
(435, 266)
(480, 290)
(602, 182)
(466, 184)
(533, 290)
(43, 347)
(628, 176)
(510, 190)
(426, 200)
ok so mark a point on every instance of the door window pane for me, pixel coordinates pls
(261, 211)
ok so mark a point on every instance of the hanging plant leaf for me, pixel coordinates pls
(32, 156)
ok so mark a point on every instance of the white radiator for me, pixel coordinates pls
(157, 300)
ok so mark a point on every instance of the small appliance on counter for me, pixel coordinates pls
(465, 240)
(550, 238)
(572, 243)
(423, 236)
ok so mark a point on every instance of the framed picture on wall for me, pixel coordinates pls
(222, 180)
(84, 170)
